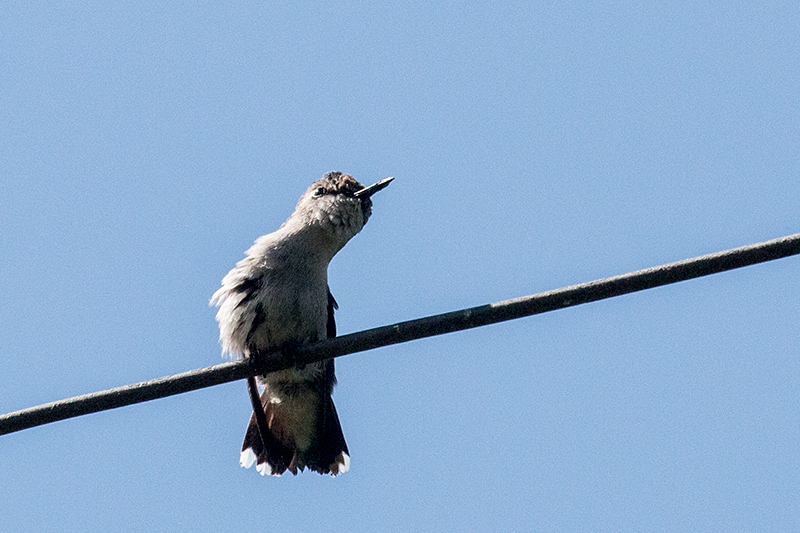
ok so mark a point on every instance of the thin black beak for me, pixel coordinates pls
(366, 192)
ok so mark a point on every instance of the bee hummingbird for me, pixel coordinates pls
(278, 297)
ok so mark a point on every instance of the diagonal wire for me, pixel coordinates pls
(403, 332)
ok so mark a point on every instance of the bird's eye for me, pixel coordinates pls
(320, 191)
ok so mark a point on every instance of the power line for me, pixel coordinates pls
(403, 332)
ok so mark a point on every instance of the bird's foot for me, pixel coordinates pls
(290, 351)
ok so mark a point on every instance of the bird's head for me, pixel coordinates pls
(338, 205)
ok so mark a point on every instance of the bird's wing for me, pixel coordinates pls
(332, 305)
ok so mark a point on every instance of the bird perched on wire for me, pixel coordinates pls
(278, 297)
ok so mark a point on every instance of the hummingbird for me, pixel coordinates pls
(278, 297)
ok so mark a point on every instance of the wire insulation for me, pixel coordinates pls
(403, 332)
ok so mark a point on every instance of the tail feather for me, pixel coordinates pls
(327, 453)
(272, 457)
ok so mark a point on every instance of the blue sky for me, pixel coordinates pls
(144, 147)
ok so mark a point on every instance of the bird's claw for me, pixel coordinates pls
(290, 351)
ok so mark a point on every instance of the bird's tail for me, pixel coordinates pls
(323, 448)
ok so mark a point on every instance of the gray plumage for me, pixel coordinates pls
(278, 296)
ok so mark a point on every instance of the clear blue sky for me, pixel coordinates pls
(535, 145)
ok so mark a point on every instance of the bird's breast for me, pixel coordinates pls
(294, 313)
